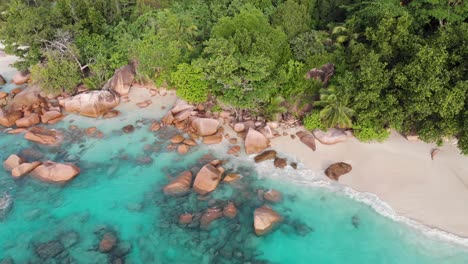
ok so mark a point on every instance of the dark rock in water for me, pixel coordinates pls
(301, 228)
(128, 129)
(108, 241)
(143, 160)
(355, 221)
(209, 216)
(266, 155)
(280, 163)
(118, 261)
(122, 249)
(7, 261)
(49, 249)
(69, 239)
(293, 165)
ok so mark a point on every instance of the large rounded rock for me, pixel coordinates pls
(55, 172)
(21, 78)
(12, 162)
(181, 106)
(266, 155)
(122, 80)
(91, 104)
(50, 115)
(307, 139)
(24, 169)
(255, 142)
(335, 171)
(27, 121)
(332, 136)
(8, 119)
(180, 185)
(213, 139)
(44, 136)
(207, 179)
(25, 98)
(265, 219)
(205, 126)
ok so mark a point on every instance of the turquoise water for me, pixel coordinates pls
(116, 193)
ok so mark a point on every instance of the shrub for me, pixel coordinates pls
(367, 133)
(190, 83)
(58, 74)
(313, 121)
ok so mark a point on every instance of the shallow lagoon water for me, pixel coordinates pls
(115, 191)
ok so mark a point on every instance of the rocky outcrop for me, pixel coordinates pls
(44, 136)
(265, 219)
(55, 172)
(205, 126)
(207, 179)
(168, 119)
(122, 80)
(180, 185)
(91, 104)
(307, 139)
(50, 116)
(335, 171)
(8, 119)
(213, 139)
(26, 98)
(323, 74)
(21, 78)
(255, 142)
(12, 162)
(332, 136)
(244, 126)
(24, 169)
(27, 121)
(266, 155)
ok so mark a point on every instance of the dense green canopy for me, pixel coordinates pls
(400, 65)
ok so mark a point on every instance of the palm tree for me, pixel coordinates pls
(334, 113)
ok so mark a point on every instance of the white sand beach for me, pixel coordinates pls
(399, 172)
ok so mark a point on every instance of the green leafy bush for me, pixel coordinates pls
(190, 83)
(367, 133)
(58, 74)
(313, 121)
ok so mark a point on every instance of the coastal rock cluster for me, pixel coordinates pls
(47, 171)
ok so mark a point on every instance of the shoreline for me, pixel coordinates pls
(400, 173)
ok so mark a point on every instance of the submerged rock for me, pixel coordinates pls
(69, 239)
(6, 202)
(44, 136)
(273, 196)
(53, 172)
(207, 179)
(209, 216)
(265, 219)
(12, 162)
(230, 210)
(336, 170)
(266, 155)
(49, 249)
(255, 142)
(24, 169)
(185, 219)
(180, 185)
(128, 129)
(107, 243)
(234, 150)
